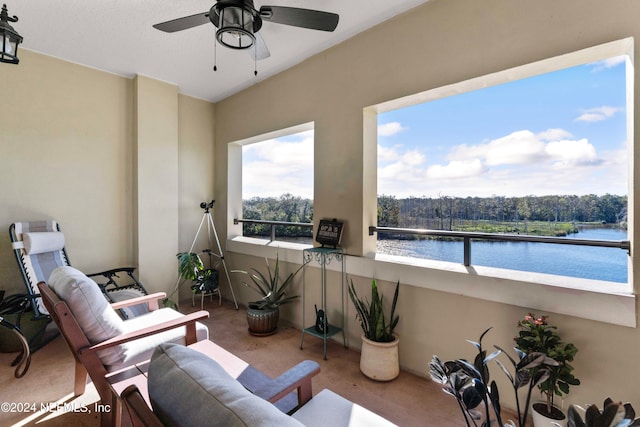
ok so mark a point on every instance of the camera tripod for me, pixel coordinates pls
(211, 227)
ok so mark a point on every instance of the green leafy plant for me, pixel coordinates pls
(272, 289)
(529, 370)
(191, 267)
(613, 414)
(536, 335)
(371, 314)
(469, 382)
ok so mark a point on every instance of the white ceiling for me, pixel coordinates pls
(117, 36)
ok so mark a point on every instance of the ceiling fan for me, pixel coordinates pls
(238, 23)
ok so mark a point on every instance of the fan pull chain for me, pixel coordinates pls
(255, 61)
(215, 55)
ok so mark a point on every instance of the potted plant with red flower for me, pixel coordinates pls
(536, 335)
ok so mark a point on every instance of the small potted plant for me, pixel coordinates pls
(469, 382)
(536, 335)
(190, 267)
(379, 357)
(263, 315)
(613, 414)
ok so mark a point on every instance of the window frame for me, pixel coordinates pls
(234, 187)
(572, 296)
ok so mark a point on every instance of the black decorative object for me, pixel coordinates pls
(9, 38)
(329, 232)
(322, 324)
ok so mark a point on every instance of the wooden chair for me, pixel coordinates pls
(287, 392)
(88, 354)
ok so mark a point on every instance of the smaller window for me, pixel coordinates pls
(277, 186)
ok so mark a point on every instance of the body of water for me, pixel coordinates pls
(587, 262)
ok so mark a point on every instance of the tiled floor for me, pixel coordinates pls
(409, 400)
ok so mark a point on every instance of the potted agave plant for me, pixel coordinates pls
(379, 357)
(536, 335)
(263, 315)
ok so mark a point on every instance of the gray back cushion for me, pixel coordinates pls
(188, 388)
(94, 314)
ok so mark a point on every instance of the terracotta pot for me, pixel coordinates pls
(379, 360)
(262, 322)
(541, 420)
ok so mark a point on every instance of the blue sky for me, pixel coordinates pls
(558, 133)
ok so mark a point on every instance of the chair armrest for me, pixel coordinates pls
(188, 320)
(298, 377)
(139, 411)
(113, 271)
(150, 300)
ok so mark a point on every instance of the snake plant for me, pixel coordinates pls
(371, 314)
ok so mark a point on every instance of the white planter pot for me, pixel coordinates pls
(540, 420)
(379, 360)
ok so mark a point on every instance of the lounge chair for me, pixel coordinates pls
(39, 248)
(101, 341)
(187, 388)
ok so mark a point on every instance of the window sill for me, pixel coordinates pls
(558, 294)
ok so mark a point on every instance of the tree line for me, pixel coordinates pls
(287, 208)
(445, 212)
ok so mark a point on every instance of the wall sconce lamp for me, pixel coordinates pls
(9, 38)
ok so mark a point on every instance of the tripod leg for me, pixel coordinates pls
(190, 250)
(224, 264)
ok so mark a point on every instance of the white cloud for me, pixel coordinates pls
(456, 169)
(391, 128)
(517, 164)
(580, 151)
(553, 134)
(388, 154)
(598, 114)
(273, 167)
(608, 63)
(520, 147)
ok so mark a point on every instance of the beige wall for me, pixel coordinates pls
(102, 154)
(196, 182)
(440, 43)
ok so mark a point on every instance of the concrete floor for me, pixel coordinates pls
(409, 400)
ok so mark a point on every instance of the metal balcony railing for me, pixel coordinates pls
(467, 237)
(273, 225)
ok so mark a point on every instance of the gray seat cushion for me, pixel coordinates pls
(187, 388)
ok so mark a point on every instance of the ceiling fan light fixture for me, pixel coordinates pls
(9, 38)
(236, 24)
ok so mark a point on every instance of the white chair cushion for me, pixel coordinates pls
(100, 322)
(330, 409)
(140, 350)
(41, 242)
(92, 311)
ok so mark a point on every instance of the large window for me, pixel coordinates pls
(543, 155)
(277, 185)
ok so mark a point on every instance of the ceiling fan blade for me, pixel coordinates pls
(260, 49)
(305, 18)
(183, 23)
